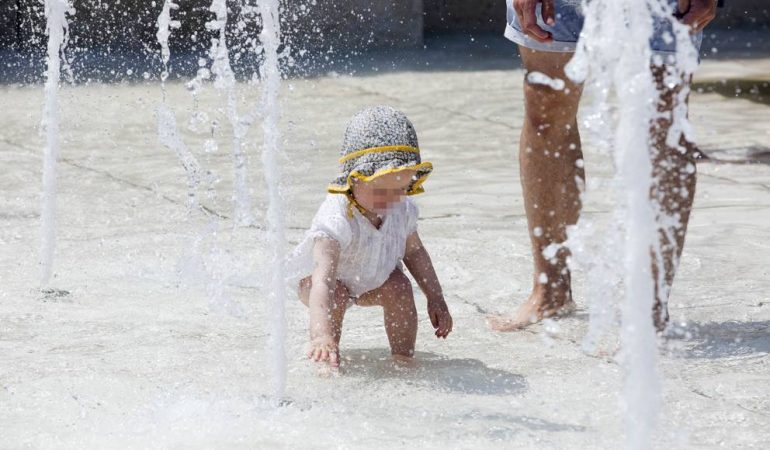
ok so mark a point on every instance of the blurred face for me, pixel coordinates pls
(384, 191)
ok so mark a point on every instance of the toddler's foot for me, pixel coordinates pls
(534, 310)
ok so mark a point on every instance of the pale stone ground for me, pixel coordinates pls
(143, 352)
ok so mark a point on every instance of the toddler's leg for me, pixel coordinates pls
(397, 300)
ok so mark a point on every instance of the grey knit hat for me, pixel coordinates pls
(379, 140)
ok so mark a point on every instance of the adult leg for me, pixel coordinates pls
(675, 174)
(340, 298)
(400, 315)
(550, 159)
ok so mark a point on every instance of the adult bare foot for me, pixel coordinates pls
(404, 361)
(539, 306)
(660, 316)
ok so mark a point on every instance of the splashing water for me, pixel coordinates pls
(168, 133)
(225, 80)
(541, 78)
(271, 77)
(198, 263)
(614, 50)
(58, 28)
(170, 137)
(165, 24)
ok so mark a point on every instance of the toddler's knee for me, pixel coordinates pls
(404, 286)
(341, 295)
(399, 288)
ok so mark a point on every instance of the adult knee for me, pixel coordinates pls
(549, 110)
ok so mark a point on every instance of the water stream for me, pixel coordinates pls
(614, 57)
(57, 28)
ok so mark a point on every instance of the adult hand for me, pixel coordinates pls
(526, 10)
(697, 13)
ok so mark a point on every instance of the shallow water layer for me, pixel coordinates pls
(139, 353)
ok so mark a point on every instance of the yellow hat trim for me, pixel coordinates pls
(390, 148)
(416, 186)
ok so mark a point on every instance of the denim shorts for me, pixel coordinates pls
(569, 22)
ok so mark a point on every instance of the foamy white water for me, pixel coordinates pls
(57, 28)
(541, 78)
(614, 52)
(271, 79)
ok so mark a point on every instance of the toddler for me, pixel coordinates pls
(363, 235)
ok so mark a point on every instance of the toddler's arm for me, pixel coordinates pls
(420, 266)
(326, 254)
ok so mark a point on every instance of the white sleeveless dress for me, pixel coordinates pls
(367, 255)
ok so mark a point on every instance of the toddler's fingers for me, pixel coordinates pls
(443, 330)
(446, 324)
(442, 326)
(434, 319)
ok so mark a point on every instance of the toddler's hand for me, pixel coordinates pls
(440, 317)
(324, 349)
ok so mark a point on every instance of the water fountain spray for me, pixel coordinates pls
(57, 28)
(614, 50)
(270, 110)
(168, 133)
(271, 79)
(225, 80)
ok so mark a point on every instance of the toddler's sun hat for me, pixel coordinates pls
(379, 140)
